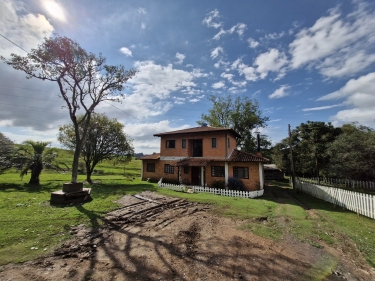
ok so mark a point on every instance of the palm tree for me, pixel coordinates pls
(35, 157)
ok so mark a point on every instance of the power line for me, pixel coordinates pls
(13, 43)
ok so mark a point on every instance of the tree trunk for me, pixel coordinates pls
(77, 153)
(88, 172)
(36, 169)
(80, 141)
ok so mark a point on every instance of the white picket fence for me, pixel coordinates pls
(343, 183)
(217, 191)
(360, 203)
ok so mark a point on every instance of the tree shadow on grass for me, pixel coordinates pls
(103, 190)
(17, 187)
(286, 195)
(233, 259)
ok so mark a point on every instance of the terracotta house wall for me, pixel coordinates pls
(221, 150)
(252, 183)
(159, 171)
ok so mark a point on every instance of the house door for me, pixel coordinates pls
(196, 175)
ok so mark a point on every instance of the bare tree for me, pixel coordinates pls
(83, 78)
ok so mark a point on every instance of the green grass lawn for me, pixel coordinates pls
(31, 227)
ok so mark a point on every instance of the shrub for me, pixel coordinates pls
(218, 184)
(171, 181)
(235, 184)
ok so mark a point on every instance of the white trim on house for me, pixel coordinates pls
(202, 176)
(261, 175)
(226, 172)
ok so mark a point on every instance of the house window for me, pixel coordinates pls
(217, 171)
(168, 169)
(170, 144)
(213, 143)
(183, 144)
(150, 167)
(241, 172)
(186, 169)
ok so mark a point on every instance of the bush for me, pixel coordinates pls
(171, 181)
(218, 184)
(235, 184)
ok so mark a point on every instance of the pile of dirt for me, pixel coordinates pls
(153, 237)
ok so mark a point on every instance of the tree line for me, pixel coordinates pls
(322, 150)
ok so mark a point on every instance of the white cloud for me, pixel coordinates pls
(274, 36)
(227, 76)
(221, 63)
(271, 61)
(364, 84)
(248, 72)
(239, 28)
(179, 100)
(25, 29)
(230, 77)
(337, 45)
(252, 43)
(142, 11)
(143, 25)
(218, 85)
(142, 134)
(180, 58)
(157, 81)
(54, 9)
(280, 92)
(219, 34)
(216, 52)
(151, 92)
(210, 17)
(322, 107)
(126, 52)
(198, 73)
(359, 96)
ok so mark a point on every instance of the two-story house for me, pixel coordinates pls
(201, 155)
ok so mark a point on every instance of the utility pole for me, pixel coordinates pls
(291, 160)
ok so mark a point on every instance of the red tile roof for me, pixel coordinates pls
(198, 130)
(154, 156)
(239, 156)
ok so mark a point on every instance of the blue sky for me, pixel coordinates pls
(302, 60)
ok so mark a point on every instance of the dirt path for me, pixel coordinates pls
(153, 237)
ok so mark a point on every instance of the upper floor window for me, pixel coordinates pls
(170, 144)
(150, 167)
(183, 143)
(217, 171)
(213, 143)
(241, 172)
(168, 169)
